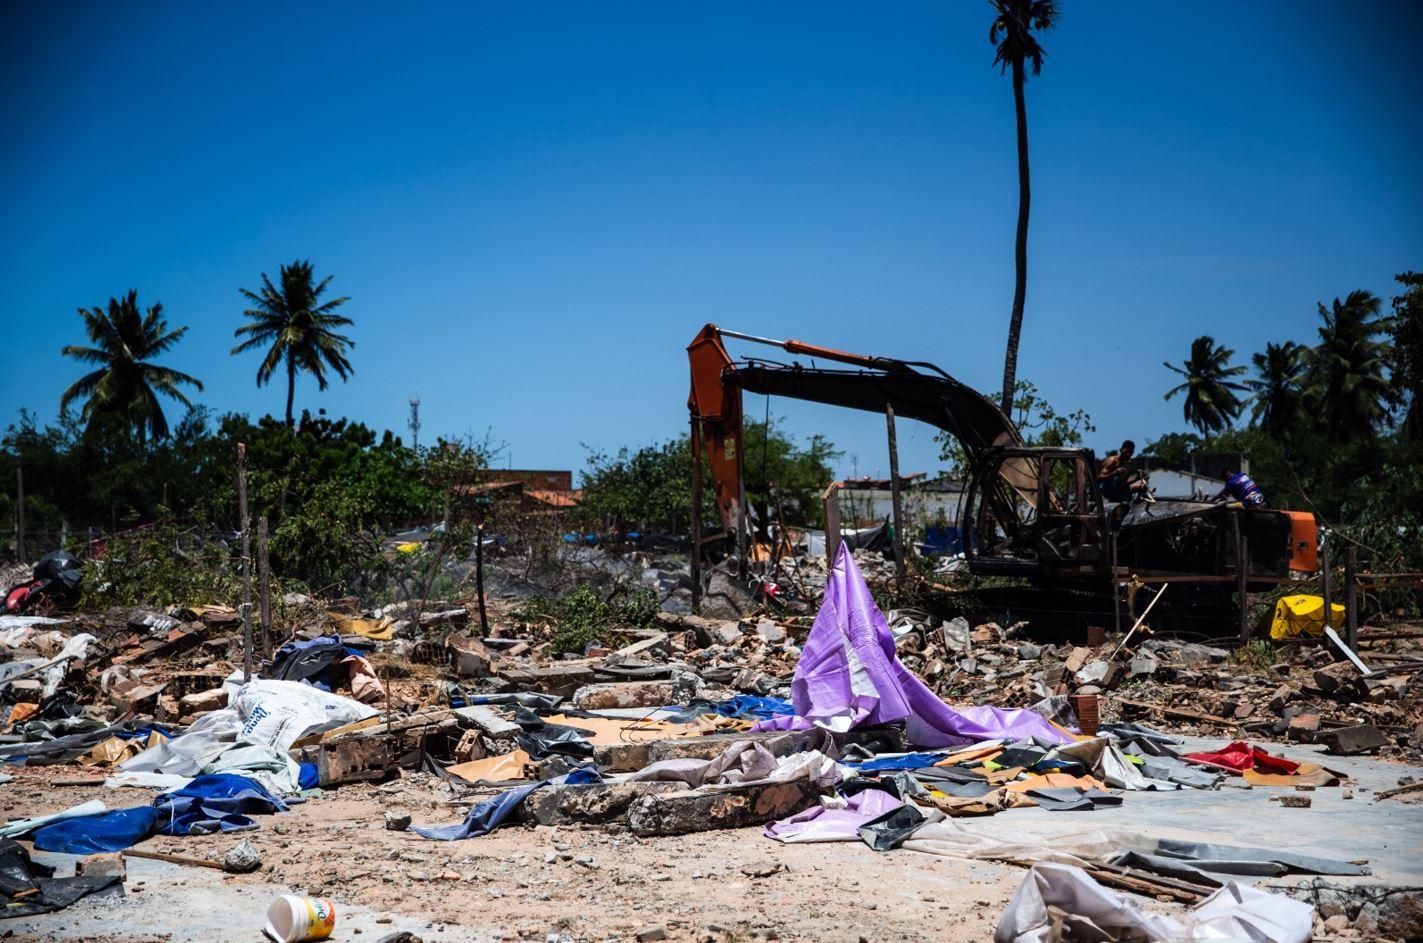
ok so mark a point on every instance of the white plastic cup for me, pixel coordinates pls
(293, 918)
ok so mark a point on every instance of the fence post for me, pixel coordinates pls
(245, 524)
(1242, 572)
(1351, 597)
(894, 490)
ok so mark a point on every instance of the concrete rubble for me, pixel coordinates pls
(460, 715)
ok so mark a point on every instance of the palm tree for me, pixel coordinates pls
(1346, 382)
(1210, 404)
(298, 326)
(1277, 388)
(1012, 33)
(126, 384)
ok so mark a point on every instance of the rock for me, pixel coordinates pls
(1282, 696)
(242, 859)
(468, 654)
(102, 865)
(1093, 672)
(1348, 741)
(770, 631)
(1336, 923)
(550, 679)
(397, 821)
(1143, 664)
(650, 933)
(1367, 920)
(590, 804)
(203, 701)
(687, 811)
(1029, 652)
(725, 598)
(1295, 801)
(594, 697)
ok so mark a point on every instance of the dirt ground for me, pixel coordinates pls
(517, 883)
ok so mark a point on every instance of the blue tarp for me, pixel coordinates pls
(215, 802)
(908, 761)
(94, 834)
(491, 813)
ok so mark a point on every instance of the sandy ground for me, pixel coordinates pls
(571, 884)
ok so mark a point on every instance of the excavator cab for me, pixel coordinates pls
(1035, 512)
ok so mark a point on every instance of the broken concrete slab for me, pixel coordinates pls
(487, 721)
(1350, 741)
(590, 804)
(623, 694)
(560, 679)
(701, 810)
(468, 655)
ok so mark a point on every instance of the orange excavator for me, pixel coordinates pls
(1031, 512)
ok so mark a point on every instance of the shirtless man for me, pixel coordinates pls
(1116, 480)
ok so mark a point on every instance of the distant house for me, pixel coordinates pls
(868, 501)
(1201, 478)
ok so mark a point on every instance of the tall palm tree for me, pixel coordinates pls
(299, 327)
(1346, 383)
(1276, 390)
(127, 384)
(1017, 47)
(1210, 401)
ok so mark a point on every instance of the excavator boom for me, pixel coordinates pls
(915, 391)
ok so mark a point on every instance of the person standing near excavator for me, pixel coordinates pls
(1241, 487)
(1116, 479)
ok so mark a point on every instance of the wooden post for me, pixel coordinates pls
(479, 575)
(264, 581)
(246, 526)
(1351, 597)
(832, 522)
(742, 524)
(894, 490)
(1242, 572)
(1324, 587)
(1116, 591)
(20, 512)
(696, 443)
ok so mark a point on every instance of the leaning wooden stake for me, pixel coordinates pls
(245, 524)
(479, 576)
(894, 492)
(264, 580)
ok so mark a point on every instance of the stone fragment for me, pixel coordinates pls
(590, 804)
(397, 821)
(203, 701)
(243, 859)
(1143, 664)
(770, 632)
(687, 811)
(652, 933)
(1294, 801)
(562, 679)
(595, 697)
(1348, 741)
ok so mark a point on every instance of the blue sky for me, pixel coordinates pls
(534, 207)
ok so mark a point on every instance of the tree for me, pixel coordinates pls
(1406, 360)
(1347, 386)
(1276, 390)
(1038, 422)
(1210, 402)
(1016, 46)
(126, 385)
(298, 326)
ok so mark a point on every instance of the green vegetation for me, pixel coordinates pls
(1013, 35)
(1333, 428)
(127, 384)
(583, 617)
(651, 489)
(297, 328)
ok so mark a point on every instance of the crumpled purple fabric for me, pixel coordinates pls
(821, 824)
(849, 676)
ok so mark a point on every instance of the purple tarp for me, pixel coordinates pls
(821, 824)
(849, 675)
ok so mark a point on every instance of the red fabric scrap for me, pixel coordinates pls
(1241, 756)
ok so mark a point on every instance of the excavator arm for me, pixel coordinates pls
(915, 390)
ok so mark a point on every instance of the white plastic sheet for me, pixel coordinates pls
(1055, 896)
